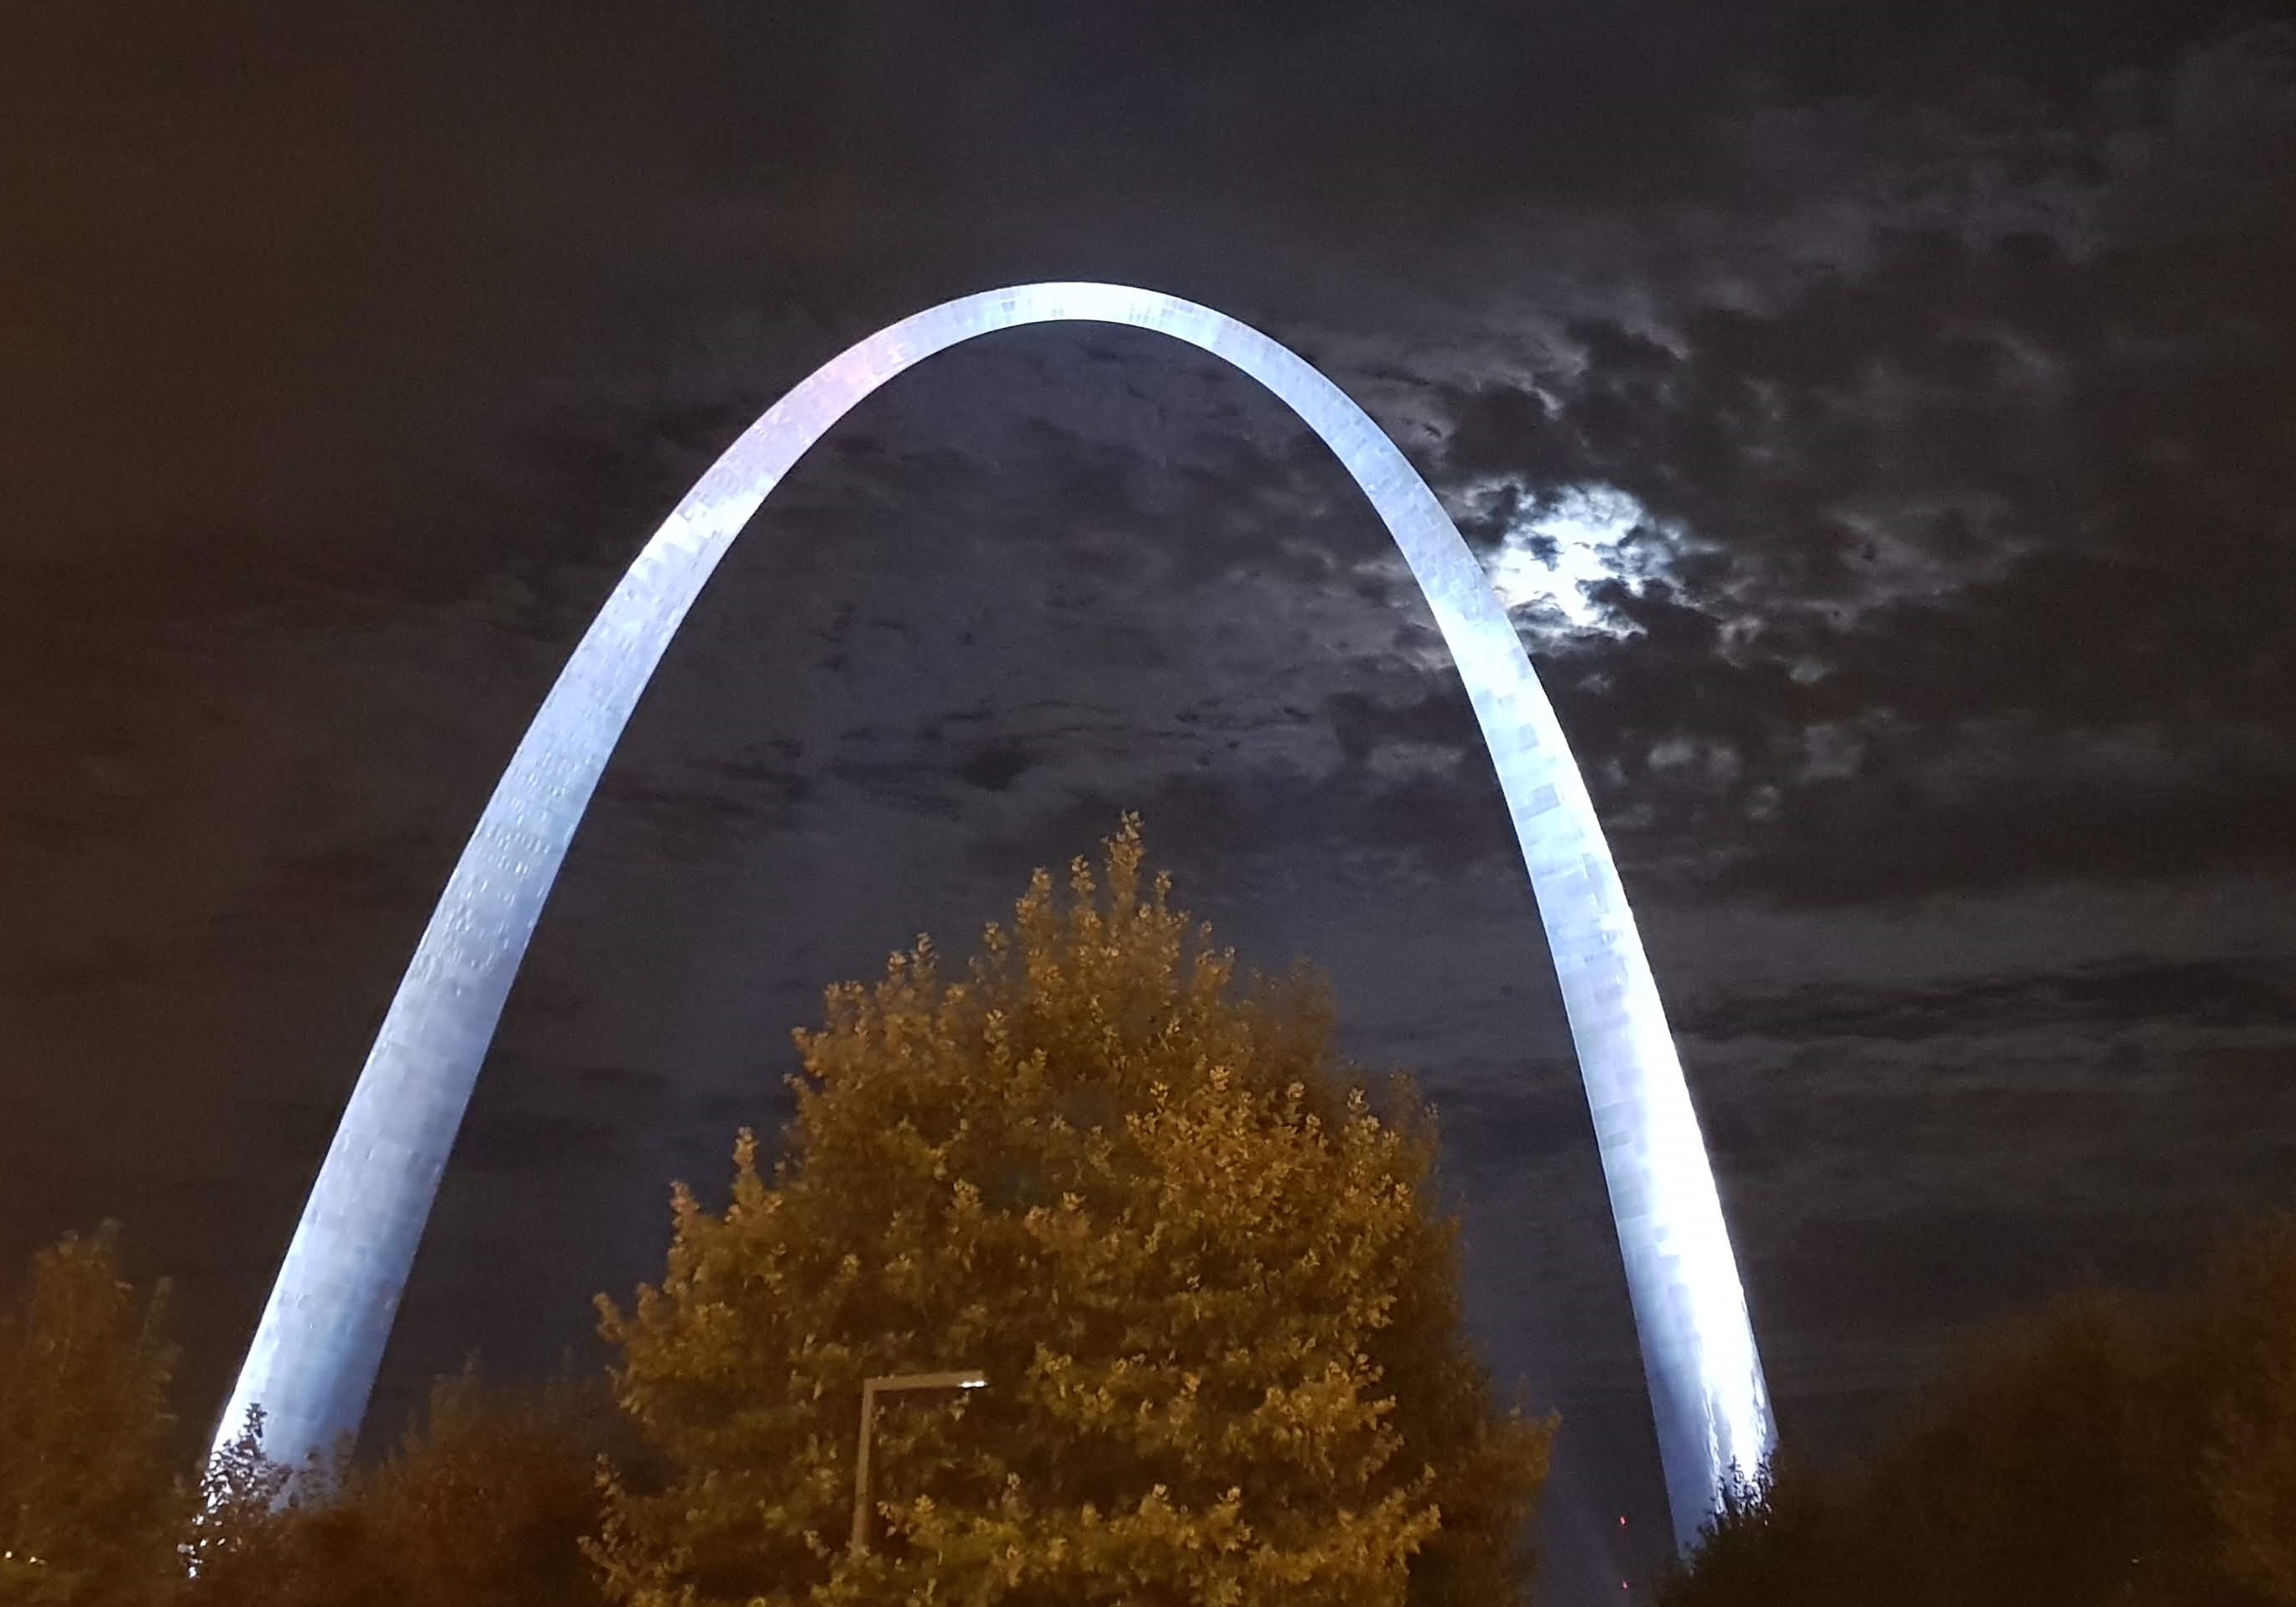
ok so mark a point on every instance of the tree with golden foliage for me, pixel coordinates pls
(92, 1500)
(1196, 1261)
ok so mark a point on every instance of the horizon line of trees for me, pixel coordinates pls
(1200, 1260)
(2109, 1448)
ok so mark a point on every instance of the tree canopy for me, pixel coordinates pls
(92, 1495)
(486, 1502)
(2116, 1449)
(1196, 1260)
(485, 1505)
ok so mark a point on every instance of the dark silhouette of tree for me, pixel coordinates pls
(92, 1497)
(1773, 1545)
(2250, 1466)
(486, 1504)
(2116, 1450)
(1196, 1262)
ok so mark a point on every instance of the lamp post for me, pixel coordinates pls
(870, 1389)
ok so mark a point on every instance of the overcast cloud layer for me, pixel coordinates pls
(1885, 425)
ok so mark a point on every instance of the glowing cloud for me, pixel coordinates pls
(1550, 556)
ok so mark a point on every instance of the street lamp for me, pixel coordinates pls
(870, 1389)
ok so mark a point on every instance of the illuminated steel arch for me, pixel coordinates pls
(316, 1352)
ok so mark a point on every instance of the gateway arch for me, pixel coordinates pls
(320, 1341)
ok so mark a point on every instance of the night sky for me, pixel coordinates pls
(1883, 418)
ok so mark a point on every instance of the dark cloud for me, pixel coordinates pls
(1975, 484)
(994, 767)
(495, 1138)
(2213, 993)
(714, 806)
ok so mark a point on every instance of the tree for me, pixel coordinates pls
(491, 1503)
(238, 1538)
(1196, 1262)
(486, 1504)
(2061, 1467)
(2251, 1469)
(2116, 1449)
(1771, 1545)
(92, 1505)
